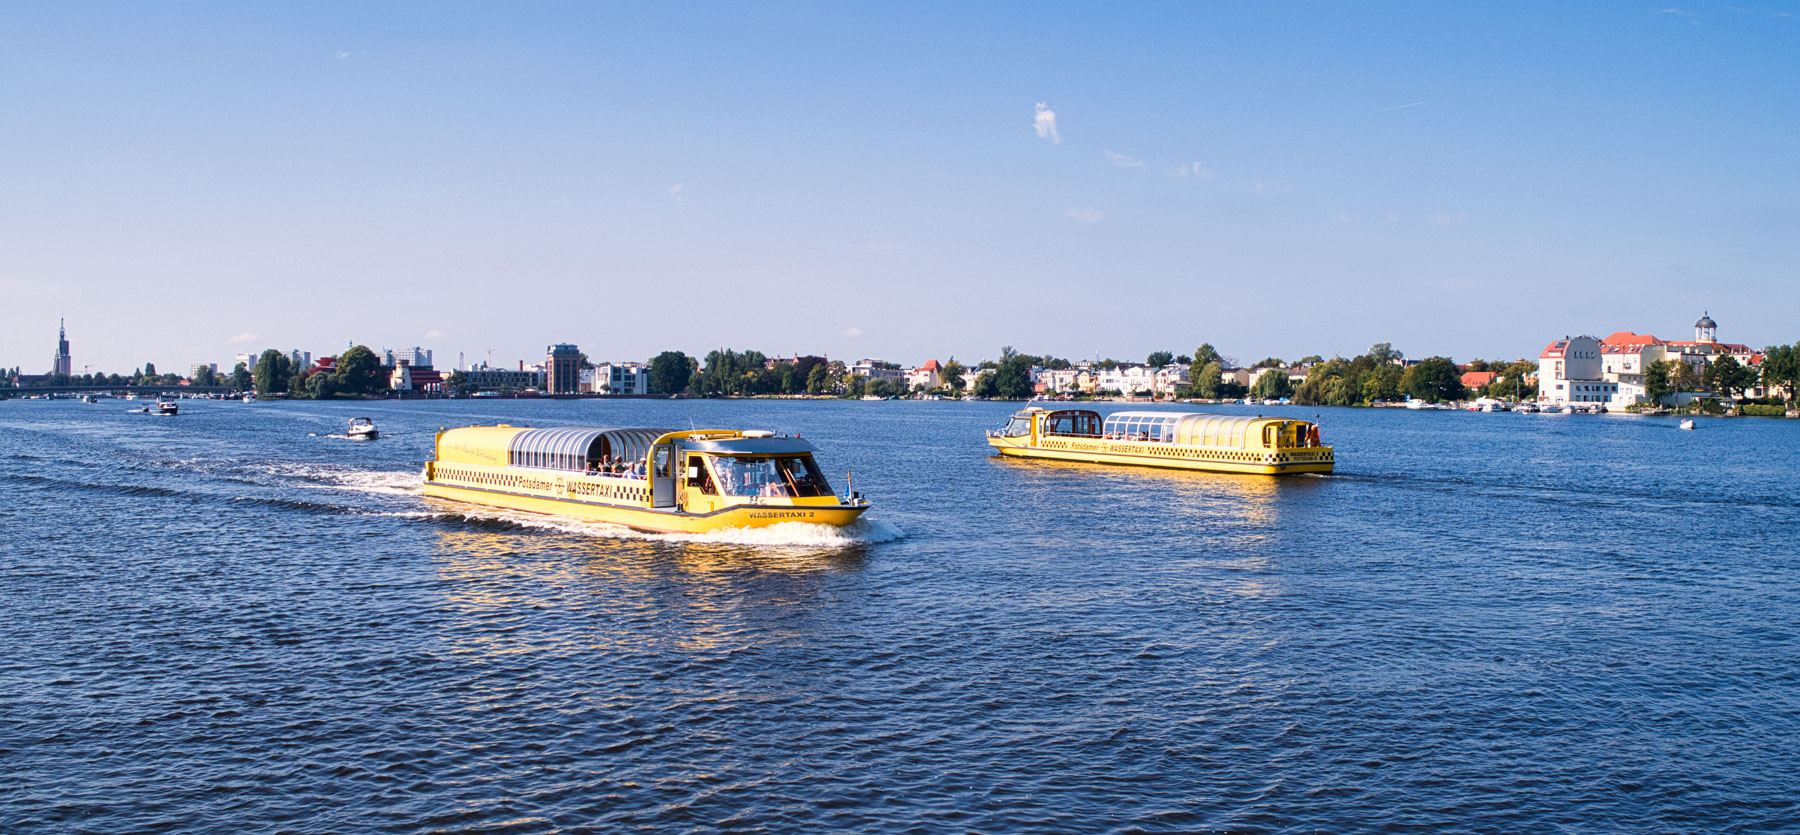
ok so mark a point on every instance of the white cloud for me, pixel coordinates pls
(1124, 161)
(435, 334)
(1193, 169)
(1045, 123)
(851, 332)
(1396, 107)
(1446, 219)
(675, 191)
(1085, 215)
(342, 54)
(244, 337)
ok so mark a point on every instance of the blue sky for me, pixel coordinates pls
(185, 181)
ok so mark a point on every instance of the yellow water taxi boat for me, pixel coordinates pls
(658, 480)
(1177, 440)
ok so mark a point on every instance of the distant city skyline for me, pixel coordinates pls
(187, 182)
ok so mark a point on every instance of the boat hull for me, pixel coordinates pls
(652, 520)
(1172, 456)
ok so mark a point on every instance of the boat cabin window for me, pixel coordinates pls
(1076, 424)
(1018, 427)
(782, 477)
(699, 476)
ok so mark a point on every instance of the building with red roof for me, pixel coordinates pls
(1478, 380)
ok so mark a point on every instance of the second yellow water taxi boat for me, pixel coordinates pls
(1177, 440)
(650, 479)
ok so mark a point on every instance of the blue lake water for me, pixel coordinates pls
(231, 621)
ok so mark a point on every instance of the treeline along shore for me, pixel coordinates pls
(1379, 376)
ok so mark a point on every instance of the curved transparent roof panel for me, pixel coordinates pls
(572, 447)
(1189, 428)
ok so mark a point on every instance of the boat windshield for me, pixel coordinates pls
(1018, 427)
(785, 477)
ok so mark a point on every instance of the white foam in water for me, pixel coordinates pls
(783, 535)
(386, 483)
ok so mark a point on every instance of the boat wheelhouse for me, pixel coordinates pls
(1176, 440)
(650, 479)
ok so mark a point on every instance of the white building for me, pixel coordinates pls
(928, 376)
(875, 369)
(618, 378)
(1061, 380)
(416, 356)
(1571, 372)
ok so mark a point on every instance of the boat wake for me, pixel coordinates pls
(800, 535)
(379, 482)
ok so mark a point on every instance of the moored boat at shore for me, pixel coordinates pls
(1176, 440)
(659, 480)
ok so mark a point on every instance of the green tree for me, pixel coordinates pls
(321, 386)
(273, 372)
(459, 382)
(817, 379)
(149, 369)
(1273, 384)
(1013, 378)
(1205, 382)
(205, 376)
(1158, 359)
(985, 385)
(670, 372)
(241, 378)
(1269, 362)
(1657, 380)
(1685, 378)
(1781, 369)
(1207, 354)
(952, 374)
(1434, 379)
(1309, 361)
(1383, 353)
(359, 372)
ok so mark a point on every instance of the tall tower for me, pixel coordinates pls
(1706, 330)
(562, 369)
(65, 364)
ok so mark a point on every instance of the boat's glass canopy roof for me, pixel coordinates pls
(1192, 428)
(750, 446)
(572, 447)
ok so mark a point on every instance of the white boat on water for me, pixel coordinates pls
(165, 407)
(362, 429)
(1687, 423)
(249, 397)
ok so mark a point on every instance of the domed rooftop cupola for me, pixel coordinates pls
(1706, 330)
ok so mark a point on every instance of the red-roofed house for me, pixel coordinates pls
(1478, 380)
(930, 375)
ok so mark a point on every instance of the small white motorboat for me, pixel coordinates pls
(249, 397)
(362, 429)
(1687, 423)
(166, 407)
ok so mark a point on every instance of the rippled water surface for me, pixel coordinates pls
(232, 621)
